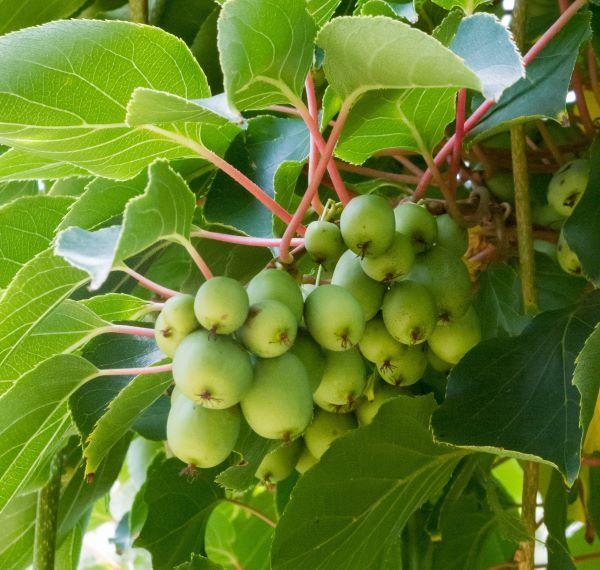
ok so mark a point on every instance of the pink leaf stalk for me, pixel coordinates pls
(149, 284)
(136, 371)
(245, 240)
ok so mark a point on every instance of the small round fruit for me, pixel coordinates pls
(279, 404)
(451, 236)
(367, 410)
(212, 371)
(277, 285)
(348, 273)
(448, 280)
(377, 344)
(305, 461)
(323, 242)
(312, 357)
(367, 225)
(568, 185)
(394, 264)
(405, 369)
(199, 436)
(502, 185)
(270, 329)
(452, 341)
(174, 323)
(409, 312)
(567, 258)
(279, 463)
(221, 305)
(325, 429)
(344, 380)
(417, 224)
(545, 215)
(436, 362)
(334, 318)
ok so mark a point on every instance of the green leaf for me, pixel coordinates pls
(358, 60)
(10, 191)
(18, 529)
(175, 502)
(65, 87)
(284, 187)
(587, 377)
(35, 418)
(117, 306)
(350, 507)
(198, 562)
(556, 288)
(266, 50)
(322, 10)
(27, 226)
(514, 396)
(392, 9)
(204, 48)
(488, 49)
(468, 6)
(555, 519)
(163, 212)
(17, 14)
(73, 186)
(121, 414)
(582, 228)
(181, 17)
(543, 91)
(68, 553)
(237, 539)
(413, 119)
(19, 164)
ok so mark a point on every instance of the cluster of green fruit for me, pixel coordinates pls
(397, 298)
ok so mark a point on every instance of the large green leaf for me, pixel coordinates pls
(163, 212)
(391, 8)
(555, 519)
(349, 509)
(587, 376)
(467, 6)
(413, 119)
(19, 164)
(26, 227)
(35, 418)
(118, 306)
(18, 529)
(361, 54)
(266, 49)
(64, 88)
(177, 507)
(10, 191)
(514, 396)
(322, 10)
(16, 14)
(582, 228)
(543, 91)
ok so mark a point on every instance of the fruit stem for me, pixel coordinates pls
(244, 240)
(459, 133)
(147, 283)
(139, 11)
(326, 154)
(129, 329)
(479, 113)
(136, 371)
(374, 173)
(252, 511)
(313, 109)
(198, 259)
(408, 164)
(46, 520)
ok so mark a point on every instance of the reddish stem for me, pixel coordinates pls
(373, 173)
(593, 72)
(556, 27)
(408, 164)
(459, 133)
(198, 260)
(326, 154)
(127, 329)
(313, 109)
(149, 284)
(136, 371)
(591, 461)
(244, 240)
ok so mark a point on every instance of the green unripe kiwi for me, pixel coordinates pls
(200, 436)
(436, 362)
(393, 264)
(221, 305)
(334, 318)
(451, 236)
(305, 461)
(377, 344)
(212, 371)
(279, 404)
(567, 258)
(448, 280)
(325, 428)
(367, 225)
(367, 410)
(270, 329)
(404, 369)
(174, 323)
(545, 215)
(277, 285)
(323, 242)
(348, 273)
(452, 341)
(568, 185)
(502, 185)
(415, 222)
(409, 312)
(344, 380)
(312, 357)
(279, 463)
